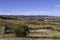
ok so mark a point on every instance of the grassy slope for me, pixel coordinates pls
(43, 31)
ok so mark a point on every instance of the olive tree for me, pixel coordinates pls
(21, 30)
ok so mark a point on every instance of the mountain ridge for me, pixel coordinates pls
(31, 16)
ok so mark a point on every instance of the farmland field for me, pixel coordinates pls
(39, 30)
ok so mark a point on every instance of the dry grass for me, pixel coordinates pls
(44, 32)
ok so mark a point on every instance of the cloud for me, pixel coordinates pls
(57, 5)
(25, 13)
(35, 12)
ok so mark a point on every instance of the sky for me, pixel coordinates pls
(30, 7)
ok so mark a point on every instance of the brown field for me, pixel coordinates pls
(41, 30)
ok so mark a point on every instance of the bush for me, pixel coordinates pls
(21, 30)
(34, 22)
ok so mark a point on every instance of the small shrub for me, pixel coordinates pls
(21, 30)
(35, 23)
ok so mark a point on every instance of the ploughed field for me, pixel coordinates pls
(39, 30)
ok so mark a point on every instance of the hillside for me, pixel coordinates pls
(39, 29)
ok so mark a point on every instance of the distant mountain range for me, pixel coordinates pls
(31, 16)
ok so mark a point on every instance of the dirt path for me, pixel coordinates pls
(28, 39)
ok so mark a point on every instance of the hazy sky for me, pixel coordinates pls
(30, 7)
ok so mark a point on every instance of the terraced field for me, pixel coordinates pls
(39, 30)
